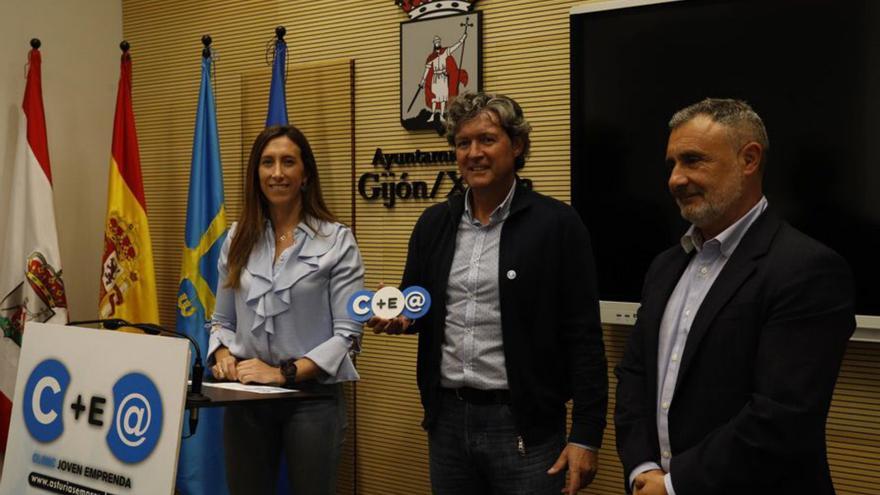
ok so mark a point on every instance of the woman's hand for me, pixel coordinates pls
(225, 365)
(256, 371)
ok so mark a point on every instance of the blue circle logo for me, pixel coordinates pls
(43, 400)
(359, 307)
(137, 418)
(417, 302)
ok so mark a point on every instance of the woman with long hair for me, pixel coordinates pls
(287, 270)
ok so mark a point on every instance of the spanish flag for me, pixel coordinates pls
(128, 284)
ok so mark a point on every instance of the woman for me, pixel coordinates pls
(287, 270)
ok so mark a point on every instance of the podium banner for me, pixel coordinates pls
(95, 412)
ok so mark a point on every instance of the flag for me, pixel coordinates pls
(201, 466)
(277, 115)
(128, 284)
(277, 100)
(31, 288)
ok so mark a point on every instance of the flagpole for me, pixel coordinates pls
(277, 112)
(200, 461)
(28, 238)
(206, 40)
(280, 32)
(128, 281)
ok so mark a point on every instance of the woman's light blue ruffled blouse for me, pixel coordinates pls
(296, 307)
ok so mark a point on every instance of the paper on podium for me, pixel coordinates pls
(258, 389)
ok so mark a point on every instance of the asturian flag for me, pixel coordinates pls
(277, 114)
(31, 288)
(128, 284)
(201, 466)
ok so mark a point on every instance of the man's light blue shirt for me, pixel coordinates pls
(472, 350)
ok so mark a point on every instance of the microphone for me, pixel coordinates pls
(198, 370)
(108, 323)
(116, 324)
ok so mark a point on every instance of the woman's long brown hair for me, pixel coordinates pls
(251, 222)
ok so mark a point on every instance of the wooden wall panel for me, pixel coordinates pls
(525, 55)
(853, 427)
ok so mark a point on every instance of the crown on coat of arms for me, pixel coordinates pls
(424, 9)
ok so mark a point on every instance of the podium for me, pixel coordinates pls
(98, 412)
(95, 412)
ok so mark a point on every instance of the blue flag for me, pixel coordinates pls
(277, 115)
(277, 100)
(201, 466)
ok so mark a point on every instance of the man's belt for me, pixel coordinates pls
(479, 397)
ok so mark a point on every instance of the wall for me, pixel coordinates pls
(80, 72)
(525, 56)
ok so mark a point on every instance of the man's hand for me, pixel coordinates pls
(582, 466)
(393, 326)
(650, 483)
(256, 371)
(224, 367)
(396, 325)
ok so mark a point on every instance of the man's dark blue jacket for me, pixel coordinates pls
(552, 335)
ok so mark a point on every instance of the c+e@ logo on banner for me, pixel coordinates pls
(135, 425)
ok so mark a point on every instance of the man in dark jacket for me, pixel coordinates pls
(726, 381)
(514, 330)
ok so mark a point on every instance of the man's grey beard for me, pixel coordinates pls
(712, 208)
(700, 216)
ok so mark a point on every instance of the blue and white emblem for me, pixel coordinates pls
(417, 302)
(359, 307)
(43, 400)
(137, 418)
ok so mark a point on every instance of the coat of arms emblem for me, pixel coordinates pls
(440, 57)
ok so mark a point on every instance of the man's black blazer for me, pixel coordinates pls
(757, 373)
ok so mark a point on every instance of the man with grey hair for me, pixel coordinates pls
(727, 377)
(514, 331)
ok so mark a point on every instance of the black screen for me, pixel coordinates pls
(810, 68)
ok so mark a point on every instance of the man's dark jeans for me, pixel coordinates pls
(475, 449)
